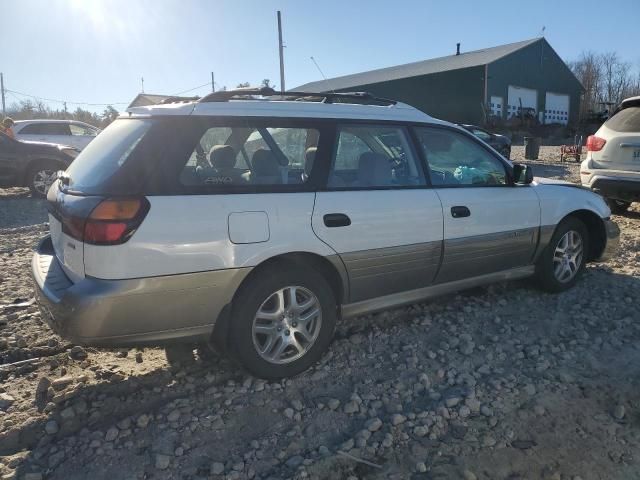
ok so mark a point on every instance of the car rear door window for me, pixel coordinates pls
(246, 155)
(374, 156)
(455, 159)
(81, 130)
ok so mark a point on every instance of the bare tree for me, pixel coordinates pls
(616, 77)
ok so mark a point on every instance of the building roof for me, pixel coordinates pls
(424, 67)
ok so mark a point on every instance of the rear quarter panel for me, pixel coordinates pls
(184, 234)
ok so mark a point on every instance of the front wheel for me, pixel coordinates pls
(618, 207)
(283, 321)
(563, 260)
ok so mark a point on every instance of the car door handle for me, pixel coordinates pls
(333, 220)
(460, 212)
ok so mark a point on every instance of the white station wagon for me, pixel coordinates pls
(256, 221)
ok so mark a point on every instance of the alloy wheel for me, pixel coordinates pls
(42, 180)
(567, 256)
(287, 324)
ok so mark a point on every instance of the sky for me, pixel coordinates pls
(96, 51)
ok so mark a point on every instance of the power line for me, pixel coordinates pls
(67, 101)
(192, 89)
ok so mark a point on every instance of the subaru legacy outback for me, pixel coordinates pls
(255, 221)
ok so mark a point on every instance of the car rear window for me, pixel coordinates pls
(105, 155)
(627, 120)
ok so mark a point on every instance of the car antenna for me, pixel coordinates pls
(321, 73)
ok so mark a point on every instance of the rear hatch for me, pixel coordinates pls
(90, 204)
(621, 133)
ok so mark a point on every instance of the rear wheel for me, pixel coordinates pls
(283, 322)
(564, 259)
(618, 207)
(40, 177)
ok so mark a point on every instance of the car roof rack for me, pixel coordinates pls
(360, 98)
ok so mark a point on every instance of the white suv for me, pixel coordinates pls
(256, 221)
(64, 132)
(612, 166)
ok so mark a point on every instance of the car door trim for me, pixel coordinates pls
(383, 271)
(413, 296)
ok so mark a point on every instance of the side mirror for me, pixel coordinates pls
(522, 174)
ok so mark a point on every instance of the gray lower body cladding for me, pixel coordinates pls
(133, 311)
(383, 271)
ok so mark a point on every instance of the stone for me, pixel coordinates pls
(351, 407)
(373, 425)
(78, 353)
(143, 420)
(469, 475)
(111, 434)
(356, 338)
(333, 403)
(33, 476)
(464, 411)
(173, 416)
(51, 427)
(452, 401)
(297, 404)
(295, 461)
(421, 467)
(6, 401)
(288, 412)
(397, 419)
(68, 413)
(486, 411)
(56, 458)
(216, 468)
(420, 431)
(138, 357)
(61, 383)
(162, 461)
(618, 412)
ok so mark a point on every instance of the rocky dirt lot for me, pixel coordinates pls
(503, 382)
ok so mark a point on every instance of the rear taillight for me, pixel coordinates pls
(595, 144)
(111, 222)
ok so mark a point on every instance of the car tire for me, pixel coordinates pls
(563, 260)
(618, 207)
(274, 338)
(37, 177)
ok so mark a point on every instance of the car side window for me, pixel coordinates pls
(374, 156)
(81, 130)
(455, 159)
(245, 155)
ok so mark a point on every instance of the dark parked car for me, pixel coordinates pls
(499, 142)
(32, 164)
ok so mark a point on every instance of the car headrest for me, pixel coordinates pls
(222, 156)
(265, 163)
(374, 169)
(309, 158)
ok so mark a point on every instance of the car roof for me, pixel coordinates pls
(265, 102)
(301, 109)
(51, 120)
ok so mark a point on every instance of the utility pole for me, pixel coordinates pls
(281, 51)
(213, 84)
(65, 109)
(142, 83)
(4, 108)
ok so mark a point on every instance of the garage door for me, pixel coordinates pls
(556, 108)
(496, 106)
(518, 96)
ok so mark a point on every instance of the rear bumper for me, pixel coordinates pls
(134, 311)
(619, 188)
(612, 241)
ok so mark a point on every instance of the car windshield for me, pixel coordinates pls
(627, 120)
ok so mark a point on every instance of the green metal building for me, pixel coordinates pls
(468, 87)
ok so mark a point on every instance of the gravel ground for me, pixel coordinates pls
(503, 382)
